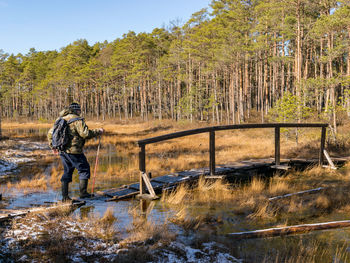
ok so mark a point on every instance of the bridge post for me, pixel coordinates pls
(212, 152)
(323, 142)
(142, 166)
(277, 146)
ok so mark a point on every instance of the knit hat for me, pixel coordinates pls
(74, 106)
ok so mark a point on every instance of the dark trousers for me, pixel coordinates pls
(74, 161)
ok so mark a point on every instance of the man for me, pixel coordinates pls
(72, 156)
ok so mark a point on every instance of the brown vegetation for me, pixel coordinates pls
(142, 229)
(38, 183)
(248, 202)
(251, 200)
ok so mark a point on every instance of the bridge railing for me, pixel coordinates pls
(211, 130)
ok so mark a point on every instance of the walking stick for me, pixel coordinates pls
(96, 164)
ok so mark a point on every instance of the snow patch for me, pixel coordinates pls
(18, 152)
(177, 252)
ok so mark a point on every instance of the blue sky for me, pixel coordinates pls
(52, 24)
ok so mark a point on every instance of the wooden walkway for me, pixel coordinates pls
(233, 172)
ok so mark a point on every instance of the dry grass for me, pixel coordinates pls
(24, 125)
(55, 176)
(206, 192)
(278, 186)
(176, 197)
(256, 186)
(246, 201)
(141, 229)
(38, 183)
(323, 202)
(102, 227)
(59, 211)
(311, 251)
(251, 200)
(177, 154)
(213, 192)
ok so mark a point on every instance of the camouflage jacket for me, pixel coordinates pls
(78, 133)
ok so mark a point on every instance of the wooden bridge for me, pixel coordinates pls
(234, 170)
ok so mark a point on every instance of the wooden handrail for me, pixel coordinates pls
(211, 130)
(229, 127)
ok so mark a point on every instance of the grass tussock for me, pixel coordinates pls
(176, 197)
(185, 219)
(256, 186)
(102, 227)
(278, 186)
(205, 192)
(144, 230)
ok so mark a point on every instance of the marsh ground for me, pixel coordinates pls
(186, 225)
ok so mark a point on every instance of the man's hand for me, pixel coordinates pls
(55, 152)
(101, 130)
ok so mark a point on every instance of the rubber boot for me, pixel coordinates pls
(65, 197)
(83, 189)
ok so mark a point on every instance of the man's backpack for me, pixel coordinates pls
(60, 136)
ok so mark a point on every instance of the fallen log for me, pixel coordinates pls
(288, 230)
(6, 215)
(297, 193)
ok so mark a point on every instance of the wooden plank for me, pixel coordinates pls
(135, 186)
(279, 231)
(117, 197)
(147, 197)
(120, 192)
(148, 184)
(167, 179)
(156, 185)
(329, 160)
(281, 167)
(193, 172)
(214, 176)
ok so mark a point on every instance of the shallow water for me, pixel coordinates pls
(108, 156)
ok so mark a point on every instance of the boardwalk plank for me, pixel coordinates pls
(167, 179)
(119, 192)
(235, 170)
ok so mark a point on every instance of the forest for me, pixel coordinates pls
(229, 62)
